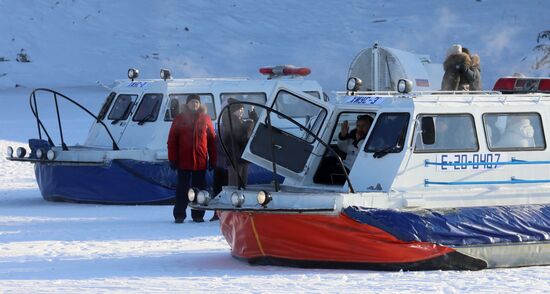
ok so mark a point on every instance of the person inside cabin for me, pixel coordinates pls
(462, 71)
(519, 133)
(349, 142)
(236, 132)
(191, 148)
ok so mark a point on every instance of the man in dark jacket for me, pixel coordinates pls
(235, 137)
(191, 145)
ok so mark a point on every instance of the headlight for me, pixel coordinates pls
(20, 152)
(50, 155)
(165, 74)
(354, 84)
(9, 151)
(263, 198)
(39, 153)
(192, 194)
(203, 197)
(133, 73)
(404, 86)
(237, 199)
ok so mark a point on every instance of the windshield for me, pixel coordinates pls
(148, 109)
(388, 135)
(122, 107)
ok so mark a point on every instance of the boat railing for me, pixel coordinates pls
(40, 125)
(451, 96)
(513, 180)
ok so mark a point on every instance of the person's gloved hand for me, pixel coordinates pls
(173, 165)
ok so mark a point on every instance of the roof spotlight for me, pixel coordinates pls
(264, 198)
(404, 86)
(354, 84)
(165, 74)
(203, 197)
(133, 73)
(21, 152)
(9, 151)
(237, 199)
(50, 155)
(39, 153)
(192, 194)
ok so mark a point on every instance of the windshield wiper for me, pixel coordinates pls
(391, 149)
(385, 151)
(145, 119)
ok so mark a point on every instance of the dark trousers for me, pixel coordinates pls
(197, 180)
(220, 180)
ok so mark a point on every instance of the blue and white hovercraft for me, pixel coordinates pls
(124, 157)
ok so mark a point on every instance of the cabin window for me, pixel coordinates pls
(304, 112)
(207, 101)
(122, 107)
(259, 98)
(453, 133)
(347, 138)
(148, 109)
(514, 131)
(106, 105)
(388, 134)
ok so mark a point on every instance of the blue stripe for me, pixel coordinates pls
(461, 226)
(505, 182)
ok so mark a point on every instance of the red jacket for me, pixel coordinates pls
(192, 141)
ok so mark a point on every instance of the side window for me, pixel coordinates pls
(106, 105)
(453, 132)
(148, 109)
(388, 135)
(304, 112)
(259, 98)
(514, 131)
(207, 101)
(122, 107)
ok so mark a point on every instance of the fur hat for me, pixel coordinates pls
(193, 97)
(455, 49)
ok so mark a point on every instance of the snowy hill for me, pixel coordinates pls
(76, 42)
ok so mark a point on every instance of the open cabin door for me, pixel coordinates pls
(286, 132)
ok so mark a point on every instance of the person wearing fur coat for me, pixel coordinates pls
(462, 72)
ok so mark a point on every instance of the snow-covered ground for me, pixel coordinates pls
(62, 247)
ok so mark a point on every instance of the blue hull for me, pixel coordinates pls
(467, 226)
(119, 182)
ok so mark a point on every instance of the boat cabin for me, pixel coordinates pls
(420, 149)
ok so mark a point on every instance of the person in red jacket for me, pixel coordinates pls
(191, 146)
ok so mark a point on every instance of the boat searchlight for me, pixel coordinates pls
(192, 195)
(237, 199)
(20, 152)
(203, 197)
(404, 86)
(133, 74)
(264, 198)
(9, 151)
(354, 84)
(165, 74)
